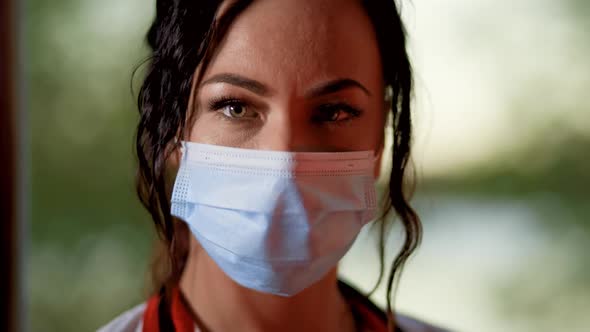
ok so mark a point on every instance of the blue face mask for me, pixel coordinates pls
(273, 221)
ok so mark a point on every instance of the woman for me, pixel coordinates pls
(261, 131)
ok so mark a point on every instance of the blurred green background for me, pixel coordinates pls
(502, 155)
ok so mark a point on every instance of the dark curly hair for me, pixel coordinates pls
(184, 35)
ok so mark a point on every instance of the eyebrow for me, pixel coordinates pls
(335, 86)
(240, 81)
(261, 89)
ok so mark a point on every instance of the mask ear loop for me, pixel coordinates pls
(379, 151)
(181, 148)
(188, 119)
(388, 98)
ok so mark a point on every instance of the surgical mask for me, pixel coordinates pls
(274, 221)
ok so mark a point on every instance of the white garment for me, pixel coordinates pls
(129, 321)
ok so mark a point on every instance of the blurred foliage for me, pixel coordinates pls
(580, 11)
(551, 289)
(90, 238)
(556, 168)
(547, 169)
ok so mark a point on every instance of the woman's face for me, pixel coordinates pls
(294, 75)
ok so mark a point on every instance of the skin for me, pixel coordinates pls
(296, 60)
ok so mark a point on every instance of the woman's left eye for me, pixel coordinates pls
(335, 113)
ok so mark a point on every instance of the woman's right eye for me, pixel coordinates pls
(232, 109)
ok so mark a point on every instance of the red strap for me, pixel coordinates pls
(181, 316)
(371, 322)
(150, 315)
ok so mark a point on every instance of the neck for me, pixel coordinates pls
(220, 304)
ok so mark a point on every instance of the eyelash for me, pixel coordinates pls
(221, 102)
(218, 104)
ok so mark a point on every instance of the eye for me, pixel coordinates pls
(232, 108)
(339, 112)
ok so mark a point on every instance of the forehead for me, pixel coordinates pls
(295, 43)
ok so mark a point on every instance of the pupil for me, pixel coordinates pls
(334, 115)
(236, 110)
